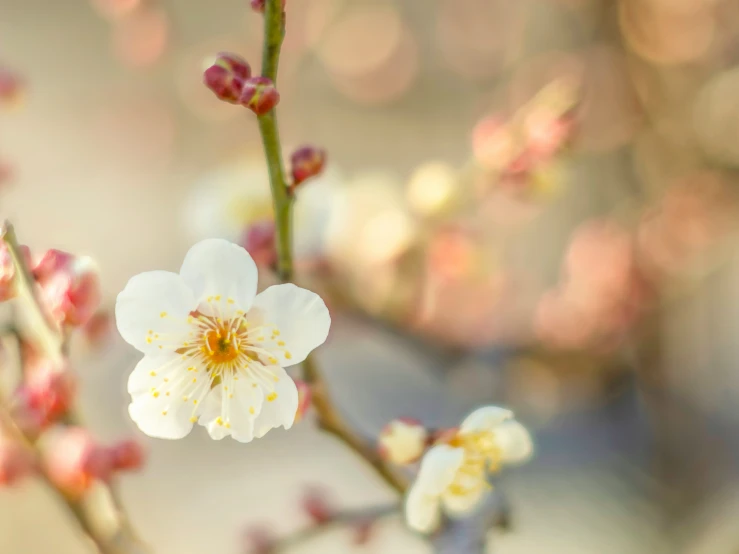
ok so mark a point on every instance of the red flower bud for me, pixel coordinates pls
(316, 505)
(46, 395)
(259, 95)
(11, 87)
(70, 286)
(16, 462)
(258, 5)
(127, 455)
(307, 162)
(305, 396)
(259, 241)
(226, 76)
(74, 461)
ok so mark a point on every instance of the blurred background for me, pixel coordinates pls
(528, 203)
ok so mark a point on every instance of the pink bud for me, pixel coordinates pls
(259, 540)
(305, 396)
(259, 241)
(70, 286)
(98, 328)
(46, 395)
(402, 441)
(362, 531)
(258, 5)
(316, 505)
(7, 270)
(226, 76)
(259, 95)
(307, 162)
(127, 455)
(74, 461)
(11, 87)
(16, 462)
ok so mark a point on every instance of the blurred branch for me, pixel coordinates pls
(74, 506)
(347, 517)
(54, 345)
(328, 417)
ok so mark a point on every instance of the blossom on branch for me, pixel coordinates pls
(214, 350)
(454, 474)
(402, 441)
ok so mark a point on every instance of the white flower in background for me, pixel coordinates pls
(214, 350)
(402, 441)
(454, 476)
(230, 198)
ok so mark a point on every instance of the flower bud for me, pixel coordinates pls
(259, 95)
(74, 461)
(362, 531)
(11, 88)
(402, 441)
(7, 270)
(259, 241)
(98, 329)
(70, 286)
(259, 540)
(307, 162)
(305, 396)
(226, 76)
(258, 5)
(16, 462)
(316, 505)
(127, 455)
(46, 395)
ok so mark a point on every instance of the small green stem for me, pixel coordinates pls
(328, 417)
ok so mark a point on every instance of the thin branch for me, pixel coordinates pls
(74, 507)
(54, 344)
(328, 417)
(347, 517)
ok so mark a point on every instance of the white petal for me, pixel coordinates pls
(279, 410)
(421, 510)
(485, 419)
(300, 316)
(439, 466)
(231, 409)
(151, 311)
(217, 268)
(456, 504)
(514, 441)
(158, 386)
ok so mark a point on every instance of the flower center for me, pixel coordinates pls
(220, 346)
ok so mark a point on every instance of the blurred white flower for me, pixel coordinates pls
(214, 350)
(233, 197)
(454, 476)
(372, 225)
(402, 441)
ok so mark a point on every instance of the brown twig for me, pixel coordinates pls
(347, 517)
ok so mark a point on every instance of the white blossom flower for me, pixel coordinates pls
(402, 441)
(454, 476)
(214, 350)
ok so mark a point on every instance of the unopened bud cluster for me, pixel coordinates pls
(229, 77)
(68, 286)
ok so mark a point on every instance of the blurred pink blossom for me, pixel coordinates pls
(69, 285)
